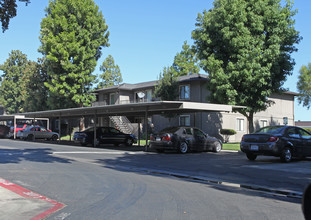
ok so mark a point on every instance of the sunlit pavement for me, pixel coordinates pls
(19, 203)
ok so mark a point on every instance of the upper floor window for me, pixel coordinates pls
(112, 99)
(184, 92)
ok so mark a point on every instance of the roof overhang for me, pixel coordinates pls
(134, 109)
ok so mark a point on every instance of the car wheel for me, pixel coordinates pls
(217, 147)
(30, 137)
(183, 147)
(54, 137)
(251, 156)
(286, 155)
(129, 142)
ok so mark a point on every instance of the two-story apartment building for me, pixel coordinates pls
(194, 88)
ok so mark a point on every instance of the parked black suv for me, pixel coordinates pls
(104, 135)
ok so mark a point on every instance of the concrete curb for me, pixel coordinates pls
(30, 204)
(277, 192)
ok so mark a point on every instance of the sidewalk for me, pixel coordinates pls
(19, 203)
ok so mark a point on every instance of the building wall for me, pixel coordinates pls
(212, 122)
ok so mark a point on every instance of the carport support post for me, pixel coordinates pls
(94, 141)
(14, 128)
(59, 128)
(146, 128)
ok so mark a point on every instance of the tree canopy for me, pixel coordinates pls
(246, 47)
(11, 81)
(111, 73)
(167, 87)
(185, 62)
(34, 93)
(8, 11)
(72, 36)
(304, 85)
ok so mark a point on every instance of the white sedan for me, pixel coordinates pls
(37, 132)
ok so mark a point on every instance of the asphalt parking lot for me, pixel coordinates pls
(227, 168)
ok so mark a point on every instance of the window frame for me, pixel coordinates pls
(184, 116)
(183, 92)
(240, 124)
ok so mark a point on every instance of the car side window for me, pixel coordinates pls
(198, 133)
(113, 130)
(293, 133)
(104, 130)
(188, 131)
(304, 134)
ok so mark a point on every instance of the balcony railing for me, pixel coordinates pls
(101, 103)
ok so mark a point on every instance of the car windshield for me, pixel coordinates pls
(270, 130)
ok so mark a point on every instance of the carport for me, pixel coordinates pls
(144, 109)
(14, 119)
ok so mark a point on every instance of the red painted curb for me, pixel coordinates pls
(29, 194)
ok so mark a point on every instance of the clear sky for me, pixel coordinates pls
(145, 35)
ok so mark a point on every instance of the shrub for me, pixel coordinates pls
(227, 133)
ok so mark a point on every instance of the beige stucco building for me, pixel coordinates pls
(194, 88)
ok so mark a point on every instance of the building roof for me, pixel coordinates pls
(136, 109)
(150, 84)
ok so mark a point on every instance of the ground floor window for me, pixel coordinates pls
(184, 120)
(240, 124)
(263, 123)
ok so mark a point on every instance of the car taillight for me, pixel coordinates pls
(273, 139)
(167, 138)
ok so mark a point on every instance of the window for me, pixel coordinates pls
(184, 120)
(263, 123)
(198, 133)
(112, 99)
(149, 95)
(240, 124)
(184, 92)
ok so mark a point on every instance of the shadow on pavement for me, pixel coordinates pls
(35, 155)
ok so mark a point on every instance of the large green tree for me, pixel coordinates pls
(246, 47)
(185, 62)
(167, 87)
(12, 83)
(73, 34)
(111, 73)
(304, 85)
(8, 11)
(34, 93)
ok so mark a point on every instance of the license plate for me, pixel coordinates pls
(158, 139)
(254, 147)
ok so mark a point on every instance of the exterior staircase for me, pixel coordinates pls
(122, 123)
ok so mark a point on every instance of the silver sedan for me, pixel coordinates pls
(37, 132)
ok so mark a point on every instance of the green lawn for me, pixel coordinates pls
(231, 146)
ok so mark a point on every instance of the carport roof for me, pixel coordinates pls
(134, 109)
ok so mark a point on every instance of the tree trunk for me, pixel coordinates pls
(82, 125)
(250, 119)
